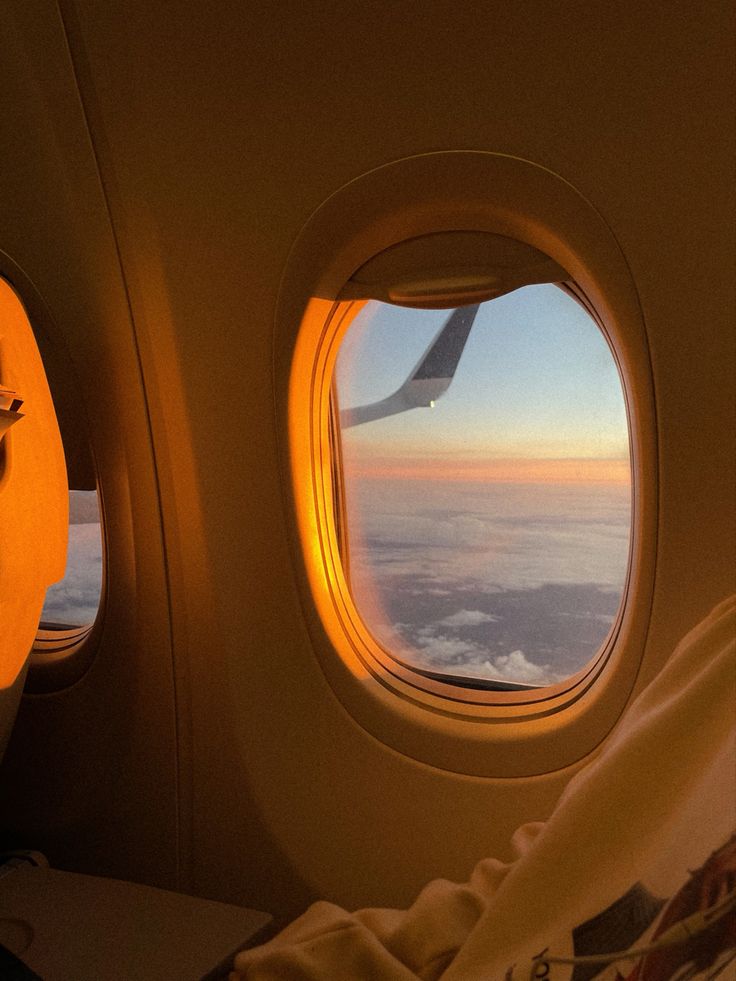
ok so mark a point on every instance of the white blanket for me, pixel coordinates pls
(640, 839)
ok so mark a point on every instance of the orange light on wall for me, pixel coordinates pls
(308, 416)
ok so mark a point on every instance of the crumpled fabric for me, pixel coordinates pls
(655, 803)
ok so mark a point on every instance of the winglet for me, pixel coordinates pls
(429, 379)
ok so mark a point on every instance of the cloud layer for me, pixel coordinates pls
(516, 584)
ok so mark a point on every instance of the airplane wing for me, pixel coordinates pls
(429, 379)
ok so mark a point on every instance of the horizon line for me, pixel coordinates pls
(561, 470)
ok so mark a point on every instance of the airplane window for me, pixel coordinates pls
(71, 605)
(74, 601)
(485, 484)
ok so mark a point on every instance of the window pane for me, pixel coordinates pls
(488, 528)
(75, 600)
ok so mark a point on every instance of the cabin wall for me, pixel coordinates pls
(91, 772)
(218, 753)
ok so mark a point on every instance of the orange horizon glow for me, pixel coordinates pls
(513, 471)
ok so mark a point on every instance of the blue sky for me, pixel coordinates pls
(536, 380)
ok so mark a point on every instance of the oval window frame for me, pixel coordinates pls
(509, 734)
(59, 656)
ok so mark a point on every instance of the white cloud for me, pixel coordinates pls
(515, 667)
(468, 618)
(447, 650)
(462, 658)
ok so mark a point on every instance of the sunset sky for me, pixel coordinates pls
(536, 396)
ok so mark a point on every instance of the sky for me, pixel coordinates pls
(536, 381)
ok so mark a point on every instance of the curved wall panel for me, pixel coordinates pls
(218, 134)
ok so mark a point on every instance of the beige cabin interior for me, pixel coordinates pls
(178, 182)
